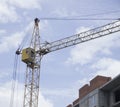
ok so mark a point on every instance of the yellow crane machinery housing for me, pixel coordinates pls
(28, 56)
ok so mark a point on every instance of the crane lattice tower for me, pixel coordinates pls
(32, 58)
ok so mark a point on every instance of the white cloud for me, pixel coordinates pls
(14, 40)
(82, 82)
(86, 52)
(10, 42)
(7, 13)
(81, 29)
(60, 13)
(5, 91)
(69, 92)
(9, 9)
(4, 74)
(66, 94)
(43, 102)
(3, 31)
(26, 4)
(80, 55)
(63, 93)
(63, 12)
(107, 67)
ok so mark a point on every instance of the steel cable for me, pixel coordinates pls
(13, 81)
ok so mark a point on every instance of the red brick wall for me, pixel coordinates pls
(84, 91)
(95, 83)
(98, 81)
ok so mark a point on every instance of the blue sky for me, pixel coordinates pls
(63, 72)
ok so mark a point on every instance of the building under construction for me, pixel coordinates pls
(100, 92)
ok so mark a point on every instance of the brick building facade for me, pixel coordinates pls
(100, 92)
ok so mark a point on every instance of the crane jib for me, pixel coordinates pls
(81, 37)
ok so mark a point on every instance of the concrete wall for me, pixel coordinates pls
(90, 100)
(104, 99)
(88, 94)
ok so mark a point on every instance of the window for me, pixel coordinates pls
(93, 101)
(117, 96)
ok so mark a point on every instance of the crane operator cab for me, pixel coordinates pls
(28, 56)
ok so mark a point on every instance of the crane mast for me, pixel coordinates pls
(32, 59)
(33, 54)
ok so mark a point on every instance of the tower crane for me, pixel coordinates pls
(32, 55)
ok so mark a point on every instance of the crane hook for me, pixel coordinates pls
(18, 52)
